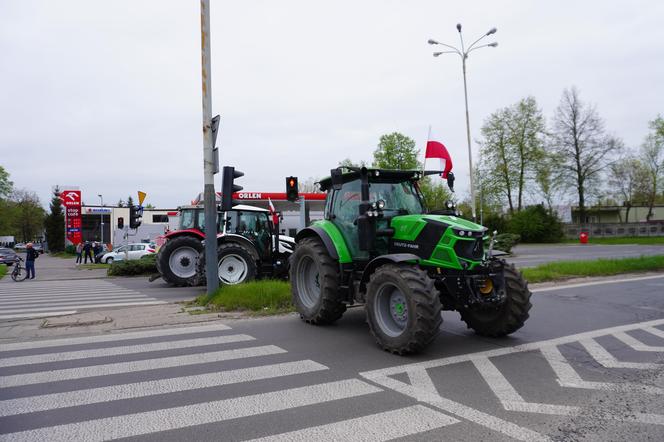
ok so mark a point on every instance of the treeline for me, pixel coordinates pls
(573, 158)
(21, 213)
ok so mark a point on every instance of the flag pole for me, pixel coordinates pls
(424, 163)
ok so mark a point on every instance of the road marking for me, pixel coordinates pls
(510, 398)
(39, 315)
(54, 302)
(67, 374)
(591, 283)
(125, 350)
(655, 331)
(46, 292)
(606, 359)
(54, 401)
(636, 344)
(372, 428)
(568, 377)
(111, 337)
(198, 414)
(28, 312)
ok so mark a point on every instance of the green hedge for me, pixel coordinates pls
(147, 265)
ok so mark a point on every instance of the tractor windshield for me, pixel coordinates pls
(187, 220)
(399, 197)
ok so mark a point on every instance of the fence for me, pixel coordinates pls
(613, 230)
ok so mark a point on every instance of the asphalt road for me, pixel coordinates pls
(586, 366)
(526, 255)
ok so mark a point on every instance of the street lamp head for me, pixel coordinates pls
(431, 41)
(492, 31)
(493, 45)
(459, 27)
(436, 54)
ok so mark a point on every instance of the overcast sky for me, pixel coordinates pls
(107, 95)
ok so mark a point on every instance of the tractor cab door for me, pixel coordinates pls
(254, 226)
(344, 211)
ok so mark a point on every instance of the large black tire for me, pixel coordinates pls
(314, 279)
(177, 260)
(403, 308)
(507, 318)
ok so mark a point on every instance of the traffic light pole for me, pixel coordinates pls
(209, 200)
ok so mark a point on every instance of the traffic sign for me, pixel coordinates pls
(141, 197)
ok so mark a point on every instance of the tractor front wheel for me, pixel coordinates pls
(314, 279)
(177, 260)
(403, 308)
(509, 316)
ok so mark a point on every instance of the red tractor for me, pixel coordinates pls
(248, 247)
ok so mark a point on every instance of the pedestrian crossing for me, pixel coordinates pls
(195, 382)
(35, 299)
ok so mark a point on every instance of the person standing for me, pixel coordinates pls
(87, 252)
(79, 253)
(30, 255)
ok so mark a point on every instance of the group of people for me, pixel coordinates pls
(89, 250)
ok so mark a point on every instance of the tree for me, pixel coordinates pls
(629, 179)
(512, 141)
(55, 224)
(120, 203)
(547, 178)
(308, 186)
(130, 201)
(6, 186)
(350, 163)
(435, 193)
(396, 151)
(149, 206)
(652, 155)
(28, 219)
(582, 145)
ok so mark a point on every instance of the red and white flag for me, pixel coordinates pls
(273, 212)
(436, 157)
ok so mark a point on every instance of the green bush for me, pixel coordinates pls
(495, 221)
(262, 297)
(141, 266)
(536, 224)
(70, 249)
(505, 242)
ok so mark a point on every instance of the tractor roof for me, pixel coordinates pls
(376, 176)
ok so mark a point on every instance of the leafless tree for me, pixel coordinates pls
(627, 178)
(582, 144)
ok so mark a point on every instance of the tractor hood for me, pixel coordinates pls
(439, 240)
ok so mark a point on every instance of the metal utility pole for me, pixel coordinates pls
(101, 218)
(463, 53)
(209, 200)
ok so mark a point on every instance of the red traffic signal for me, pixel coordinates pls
(291, 188)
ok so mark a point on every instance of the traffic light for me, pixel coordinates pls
(228, 187)
(120, 222)
(135, 216)
(291, 188)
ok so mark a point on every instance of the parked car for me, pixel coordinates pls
(20, 247)
(8, 256)
(134, 251)
(100, 255)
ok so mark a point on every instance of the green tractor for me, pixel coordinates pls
(378, 246)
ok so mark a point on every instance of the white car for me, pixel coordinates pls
(135, 251)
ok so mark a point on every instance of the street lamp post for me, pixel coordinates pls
(463, 53)
(101, 217)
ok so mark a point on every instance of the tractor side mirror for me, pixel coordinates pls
(337, 179)
(450, 181)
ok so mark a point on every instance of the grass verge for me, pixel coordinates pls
(264, 297)
(3, 270)
(93, 266)
(555, 271)
(642, 240)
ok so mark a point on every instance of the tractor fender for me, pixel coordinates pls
(186, 232)
(316, 231)
(381, 260)
(231, 237)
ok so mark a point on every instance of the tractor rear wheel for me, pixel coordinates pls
(236, 265)
(403, 308)
(314, 279)
(509, 316)
(177, 260)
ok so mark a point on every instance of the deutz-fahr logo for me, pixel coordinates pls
(406, 245)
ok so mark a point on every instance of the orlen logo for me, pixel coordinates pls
(249, 195)
(71, 197)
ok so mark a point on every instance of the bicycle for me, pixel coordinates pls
(19, 273)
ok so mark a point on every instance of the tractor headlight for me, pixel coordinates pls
(373, 206)
(381, 204)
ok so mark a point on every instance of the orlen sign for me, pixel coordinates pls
(71, 199)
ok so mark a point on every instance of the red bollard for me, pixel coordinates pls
(583, 238)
